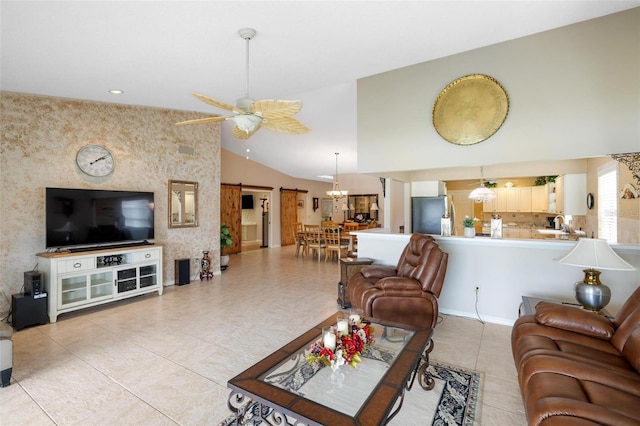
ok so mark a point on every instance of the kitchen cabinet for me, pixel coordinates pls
(560, 195)
(79, 280)
(540, 199)
(526, 233)
(571, 194)
(510, 232)
(518, 199)
(498, 204)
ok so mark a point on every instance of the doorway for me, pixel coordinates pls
(255, 222)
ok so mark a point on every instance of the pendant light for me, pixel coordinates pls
(336, 193)
(482, 193)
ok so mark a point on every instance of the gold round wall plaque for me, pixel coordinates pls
(470, 109)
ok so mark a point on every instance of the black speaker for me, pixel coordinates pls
(33, 283)
(183, 276)
(27, 310)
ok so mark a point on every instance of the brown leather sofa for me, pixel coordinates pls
(578, 368)
(406, 294)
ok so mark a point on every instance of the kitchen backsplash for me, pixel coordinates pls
(535, 221)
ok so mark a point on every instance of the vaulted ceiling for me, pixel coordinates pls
(158, 53)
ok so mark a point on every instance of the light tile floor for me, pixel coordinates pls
(156, 360)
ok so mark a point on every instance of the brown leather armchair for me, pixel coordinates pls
(408, 293)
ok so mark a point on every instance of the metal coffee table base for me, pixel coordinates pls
(240, 404)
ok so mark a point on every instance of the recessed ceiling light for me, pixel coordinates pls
(248, 150)
(116, 92)
(325, 177)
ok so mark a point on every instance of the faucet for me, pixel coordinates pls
(556, 220)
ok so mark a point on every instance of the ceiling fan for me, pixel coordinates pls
(250, 115)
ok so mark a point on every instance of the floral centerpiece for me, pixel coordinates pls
(469, 222)
(348, 346)
(469, 226)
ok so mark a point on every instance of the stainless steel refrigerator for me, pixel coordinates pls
(426, 213)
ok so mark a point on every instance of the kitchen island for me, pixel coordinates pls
(504, 270)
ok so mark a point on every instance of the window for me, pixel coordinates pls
(608, 202)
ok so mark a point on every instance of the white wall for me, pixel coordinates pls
(504, 270)
(574, 93)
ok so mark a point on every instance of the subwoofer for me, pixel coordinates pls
(183, 276)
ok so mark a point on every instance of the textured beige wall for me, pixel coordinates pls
(40, 137)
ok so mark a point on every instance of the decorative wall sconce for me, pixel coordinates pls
(316, 202)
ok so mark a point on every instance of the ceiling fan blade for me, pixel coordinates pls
(241, 134)
(274, 108)
(204, 120)
(217, 103)
(285, 125)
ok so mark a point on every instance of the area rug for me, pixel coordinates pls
(453, 401)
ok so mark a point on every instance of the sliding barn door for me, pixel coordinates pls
(288, 215)
(231, 213)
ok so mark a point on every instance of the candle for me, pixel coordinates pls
(328, 338)
(343, 325)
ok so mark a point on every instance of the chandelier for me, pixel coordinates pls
(336, 193)
(482, 193)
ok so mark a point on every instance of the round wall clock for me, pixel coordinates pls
(470, 109)
(95, 160)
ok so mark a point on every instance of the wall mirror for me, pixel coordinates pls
(360, 207)
(183, 204)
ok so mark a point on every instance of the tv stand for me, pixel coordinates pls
(78, 280)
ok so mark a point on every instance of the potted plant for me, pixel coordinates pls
(225, 242)
(469, 226)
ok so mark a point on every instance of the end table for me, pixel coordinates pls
(528, 306)
(349, 266)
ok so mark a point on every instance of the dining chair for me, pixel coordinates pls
(350, 226)
(353, 239)
(334, 243)
(315, 240)
(298, 232)
(329, 224)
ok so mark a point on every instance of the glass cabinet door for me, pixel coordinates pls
(101, 284)
(73, 290)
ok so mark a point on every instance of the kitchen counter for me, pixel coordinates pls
(504, 270)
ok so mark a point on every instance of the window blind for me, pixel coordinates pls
(608, 202)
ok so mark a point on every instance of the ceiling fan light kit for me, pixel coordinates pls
(249, 115)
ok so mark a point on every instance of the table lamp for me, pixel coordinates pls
(593, 253)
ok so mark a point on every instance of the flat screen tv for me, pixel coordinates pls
(247, 202)
(93, 218)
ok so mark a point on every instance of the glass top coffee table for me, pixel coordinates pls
(292, 391)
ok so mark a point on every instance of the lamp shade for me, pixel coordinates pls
(482, 194)
(596, 254)
(374, 206)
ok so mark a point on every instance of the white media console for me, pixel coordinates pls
(89, 278)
